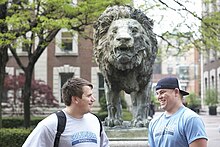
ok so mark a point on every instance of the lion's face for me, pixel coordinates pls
(128, 44)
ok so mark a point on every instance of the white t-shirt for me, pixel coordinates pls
(82, 132)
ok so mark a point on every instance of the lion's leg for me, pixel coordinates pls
(110, 107)
(118, 108)
(114, 109)
(134, 104)
(143, 105)
(139, 108)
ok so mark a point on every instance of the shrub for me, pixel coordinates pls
(127, 115)
(13, 137)
(17, 122)
(192, 100)
(211, 97)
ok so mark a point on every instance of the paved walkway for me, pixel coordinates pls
(212, 124)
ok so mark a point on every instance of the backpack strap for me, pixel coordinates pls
(60, 127)
(100, 123)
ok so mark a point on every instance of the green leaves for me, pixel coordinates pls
(211, 97)
(210, 30)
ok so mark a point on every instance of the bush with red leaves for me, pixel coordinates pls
(41, 93)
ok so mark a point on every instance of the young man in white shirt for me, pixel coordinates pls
(82, 127)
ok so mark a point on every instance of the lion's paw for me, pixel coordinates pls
(112, 122)
(137, 123)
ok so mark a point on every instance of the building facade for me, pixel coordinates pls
(210, 77)
(68, 55)
(185, 66)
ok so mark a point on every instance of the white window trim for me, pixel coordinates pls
(95, 81)
(59, 51)
(56, 78)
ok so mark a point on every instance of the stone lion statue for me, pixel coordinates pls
(125, 48)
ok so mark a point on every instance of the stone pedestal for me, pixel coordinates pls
(127, 137)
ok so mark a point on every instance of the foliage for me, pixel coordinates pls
(211, 30)
(34, 24)
(41, 93)
(102, 115)
(187, 29)
(126, 115)
(40, 19)
(103, 103)
(154, 99)
(17, 122)
(103, 112)
(13, 137)
(211, 97)
(192, 100)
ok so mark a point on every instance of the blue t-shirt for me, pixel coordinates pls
(177, 130)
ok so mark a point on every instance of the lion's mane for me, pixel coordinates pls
(101, 45)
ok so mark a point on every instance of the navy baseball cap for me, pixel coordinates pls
(170, 83)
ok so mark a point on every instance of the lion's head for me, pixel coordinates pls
(124, 38)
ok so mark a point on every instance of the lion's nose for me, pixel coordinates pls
(123, 36)
(123, 39)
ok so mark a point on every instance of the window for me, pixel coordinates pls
(101, 87)
(183, 72)
(213, 82)
(63, 78)
(212, 55)
(23, 44)
(206, 83)
(157, 66)
(66, 43)
(24, 47)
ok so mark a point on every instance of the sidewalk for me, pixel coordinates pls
(212, 124)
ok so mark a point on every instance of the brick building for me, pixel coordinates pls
(66, 56)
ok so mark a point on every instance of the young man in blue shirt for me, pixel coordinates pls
(178, 126)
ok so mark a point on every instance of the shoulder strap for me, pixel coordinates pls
(100, 123)
(60, 127)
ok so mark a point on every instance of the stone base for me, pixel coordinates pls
(127, 137)
(128, 143)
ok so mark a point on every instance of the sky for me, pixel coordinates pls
(166, 20)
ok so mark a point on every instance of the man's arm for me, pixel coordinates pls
(202, 142)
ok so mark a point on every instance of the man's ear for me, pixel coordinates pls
(177, 91)
(75, 100)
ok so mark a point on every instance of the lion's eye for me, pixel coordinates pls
(114, 30)
(134, 30)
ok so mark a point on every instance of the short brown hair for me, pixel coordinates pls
(73, 87)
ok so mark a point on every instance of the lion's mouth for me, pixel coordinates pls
(123, 54)
(123, 48)
(124, 58)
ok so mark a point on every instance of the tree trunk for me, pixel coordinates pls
(26, 94)
(3, 56)
(3, 62)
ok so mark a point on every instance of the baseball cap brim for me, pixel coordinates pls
(184, 92)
